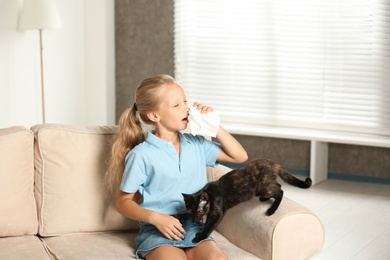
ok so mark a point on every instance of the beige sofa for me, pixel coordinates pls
(54, 204)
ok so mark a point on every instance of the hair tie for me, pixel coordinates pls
(135, 108)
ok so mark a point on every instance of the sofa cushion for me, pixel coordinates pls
(98, 245)
(23, 247)
(70, 164)
(114, 245)
(17, 203)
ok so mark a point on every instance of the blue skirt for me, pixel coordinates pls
(150, 237)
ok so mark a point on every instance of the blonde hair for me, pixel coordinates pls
(132, 126)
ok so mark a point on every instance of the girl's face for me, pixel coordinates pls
(173, 111)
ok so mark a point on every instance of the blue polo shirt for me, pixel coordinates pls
(161, 176)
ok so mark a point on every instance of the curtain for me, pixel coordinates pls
(321, 64)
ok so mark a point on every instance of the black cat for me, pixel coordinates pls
(257, 178)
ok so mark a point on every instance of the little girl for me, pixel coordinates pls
(160, 165)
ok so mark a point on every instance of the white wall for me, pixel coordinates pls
(79, 66)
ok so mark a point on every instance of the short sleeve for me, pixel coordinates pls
(134, 174)
(211, 149)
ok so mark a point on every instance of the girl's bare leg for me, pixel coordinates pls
(206, 250)
(166, 253)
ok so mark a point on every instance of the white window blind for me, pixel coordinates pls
(321, 64)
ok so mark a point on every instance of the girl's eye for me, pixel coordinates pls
(177, 105)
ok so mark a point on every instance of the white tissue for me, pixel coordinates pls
(205, 124)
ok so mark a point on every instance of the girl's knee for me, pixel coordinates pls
(206, 250)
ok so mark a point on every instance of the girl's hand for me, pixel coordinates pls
(169, 226)
(203, 109)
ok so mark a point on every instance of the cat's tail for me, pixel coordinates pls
(289, 178)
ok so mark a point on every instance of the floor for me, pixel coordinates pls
(356, 217)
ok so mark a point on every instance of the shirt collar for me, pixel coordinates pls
(158, 142)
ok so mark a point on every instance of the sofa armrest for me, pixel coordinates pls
(293, 232)
(214, 174)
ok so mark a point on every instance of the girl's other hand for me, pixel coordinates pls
(169, 226)
(203, 109)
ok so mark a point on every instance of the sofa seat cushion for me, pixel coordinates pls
(231, 250)
(99, 245)
(117, 245)
(22, 247)
(18, 214)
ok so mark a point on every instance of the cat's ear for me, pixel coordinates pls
(185, 196)
(204, 196)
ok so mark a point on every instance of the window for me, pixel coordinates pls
(322, 64)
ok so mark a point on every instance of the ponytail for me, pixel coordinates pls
(131, 133)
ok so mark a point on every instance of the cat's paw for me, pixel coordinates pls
(196, 240)
(263, 199)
